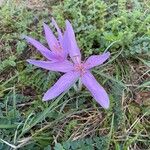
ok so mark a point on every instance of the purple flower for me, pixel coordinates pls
(79, 69)
(74, 69)
(57, 53)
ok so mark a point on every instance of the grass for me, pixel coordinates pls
(74, 121)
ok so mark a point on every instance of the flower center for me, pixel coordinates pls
(57, 48)
(80, 68)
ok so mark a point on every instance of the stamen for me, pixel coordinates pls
(80, 68)
(57, 48)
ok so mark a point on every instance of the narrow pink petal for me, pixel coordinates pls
(65, 45)
(42, 49)
(96, 60)
(63, 84)
(50, 37)
(63, 66)
(96, 89)
(60, 36)
(74, 50)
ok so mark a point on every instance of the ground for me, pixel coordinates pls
(74, 121)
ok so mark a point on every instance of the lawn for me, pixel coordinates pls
(74, 120)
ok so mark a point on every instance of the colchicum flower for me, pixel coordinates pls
(57, 54)
(75, 69)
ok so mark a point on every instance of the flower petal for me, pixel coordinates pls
(74, 50)
(96, 89)
(65, 45)
(42, 49)
(50, 37)
(63, 84)
(60, 36)
(96, 60)
(63, 66)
